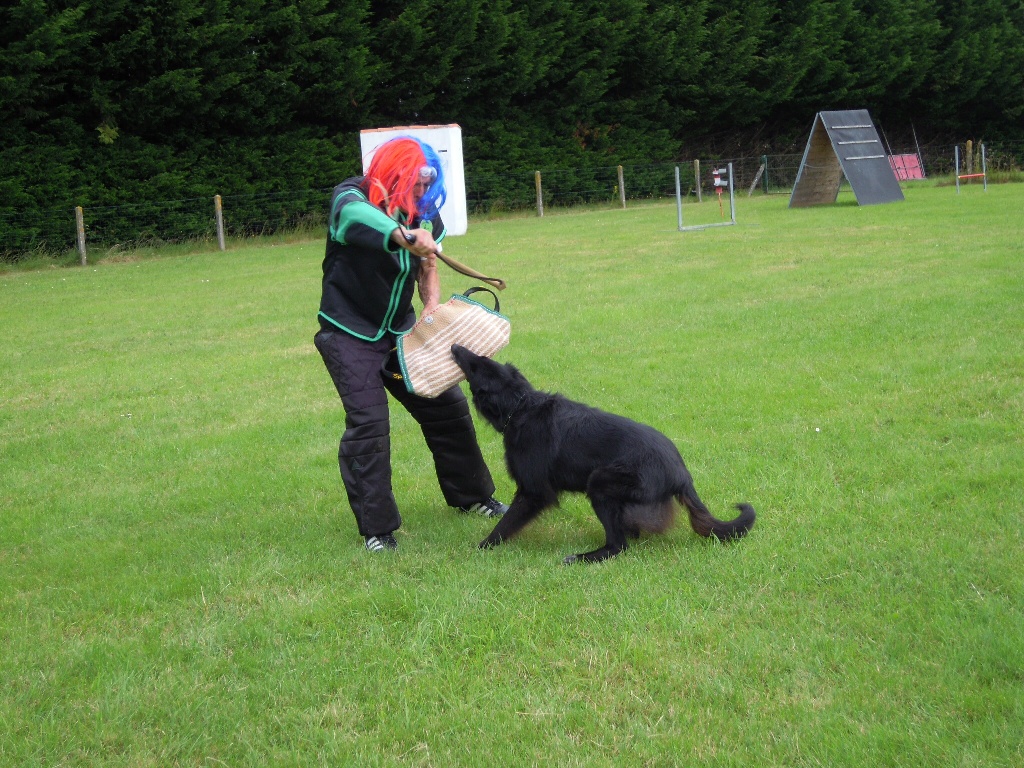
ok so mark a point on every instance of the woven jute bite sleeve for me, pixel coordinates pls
(425, 352)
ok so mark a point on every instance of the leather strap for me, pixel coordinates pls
(497, 282)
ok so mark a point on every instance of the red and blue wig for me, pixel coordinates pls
(392, 175)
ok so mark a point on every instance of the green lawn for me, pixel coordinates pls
(182, 583)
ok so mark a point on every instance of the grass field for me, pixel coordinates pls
(182, 584)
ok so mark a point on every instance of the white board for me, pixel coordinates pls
(447, 142)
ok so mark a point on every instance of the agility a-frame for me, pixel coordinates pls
(844, 143)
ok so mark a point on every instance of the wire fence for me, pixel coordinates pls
(153, 223)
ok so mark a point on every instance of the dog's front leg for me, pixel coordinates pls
(521, 511)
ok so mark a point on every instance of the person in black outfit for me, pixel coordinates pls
(383, 232)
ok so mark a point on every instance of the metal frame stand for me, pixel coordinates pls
(692, 227)
(984, 169)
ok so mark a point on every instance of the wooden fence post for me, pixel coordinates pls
(80, 228)
(218, 212)
(696, 178)
(757, 178)
(622, 189)
(540, 198)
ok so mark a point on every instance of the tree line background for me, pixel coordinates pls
(113, 102)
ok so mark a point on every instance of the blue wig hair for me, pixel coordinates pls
(436, 193)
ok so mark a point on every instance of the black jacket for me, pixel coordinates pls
(368, 281)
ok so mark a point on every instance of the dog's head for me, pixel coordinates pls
(497, 388)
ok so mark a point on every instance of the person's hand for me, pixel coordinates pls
(422, 243)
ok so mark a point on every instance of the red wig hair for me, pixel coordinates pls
(392, 175)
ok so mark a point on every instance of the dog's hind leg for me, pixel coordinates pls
(609, 491)
(521, 511)
(609, 512)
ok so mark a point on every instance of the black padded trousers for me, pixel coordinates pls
(364, 454)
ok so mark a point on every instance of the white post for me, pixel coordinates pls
(732, 197)
(984, 169)
(956, 165)
(679, 199)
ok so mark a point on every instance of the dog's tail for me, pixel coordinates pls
(706, 524)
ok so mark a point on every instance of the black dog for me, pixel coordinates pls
(630, 471)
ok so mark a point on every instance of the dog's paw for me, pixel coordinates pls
(597, 556)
